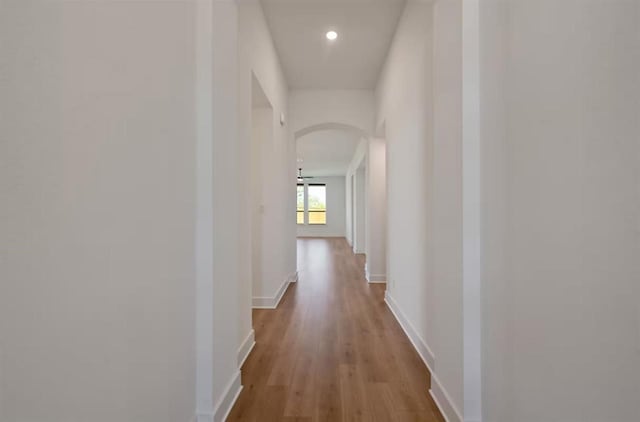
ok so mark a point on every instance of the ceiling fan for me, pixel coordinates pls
(302, 178)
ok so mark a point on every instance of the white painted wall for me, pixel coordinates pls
(376, 230)
(336, 208)
(258, 55)
(359, 157)
(471, 213)
(561, 184)
(370, 157)
(349, 107)
(367, 170)
(419, 104)
(404, 109)
(226, 252)
(350, 181)
(497, 358)
(261, 142)
(97, 223)
(447, 231)
(325, 153)
(360, 209)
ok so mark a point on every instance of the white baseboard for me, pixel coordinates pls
(418, 342)
(246, 347)
(438, 393)
(443, 401)
(320, 235)
(228, 399)
(272, 302)
(374, 278)
(203, 417)
(377, 278)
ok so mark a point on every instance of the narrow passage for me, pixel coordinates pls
(332, 351)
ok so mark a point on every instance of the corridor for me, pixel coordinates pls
(332, 350)
(319, 210)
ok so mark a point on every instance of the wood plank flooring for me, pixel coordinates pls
(332, 351)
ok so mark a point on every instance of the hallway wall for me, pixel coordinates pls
(561, 192)
(97, 171)
(336, 209)
(371, 155)
(261, 147)
(354, 107)
(359, 156)
(376, 241)
(448, 236)
(405, 111)
(419, 105)
(360, 209)
(258, 55)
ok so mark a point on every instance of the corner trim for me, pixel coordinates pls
(443, 401)
(246, 347)
(228, 399)
(273, 302)
(419, 344)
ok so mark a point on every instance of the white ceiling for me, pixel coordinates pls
(365, 30)
(327, 152)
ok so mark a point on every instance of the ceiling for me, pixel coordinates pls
(326, 152)
(365, 30)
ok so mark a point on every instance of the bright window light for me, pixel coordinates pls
(317, 203)
(301, 201)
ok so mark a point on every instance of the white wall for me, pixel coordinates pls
(404, 109)
(360, 209)
(258, 55)
(359, 156)
(376, 237)
(336, 209)
(261, 141)
(561, 186)
(325, 153)
(217, 155)
(448, 200)
(97, 223)
(366, 202)
(349, 107)
(419, 106)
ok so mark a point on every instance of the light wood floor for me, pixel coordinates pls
(332, 351)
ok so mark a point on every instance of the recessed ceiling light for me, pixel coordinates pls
(332, 35)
